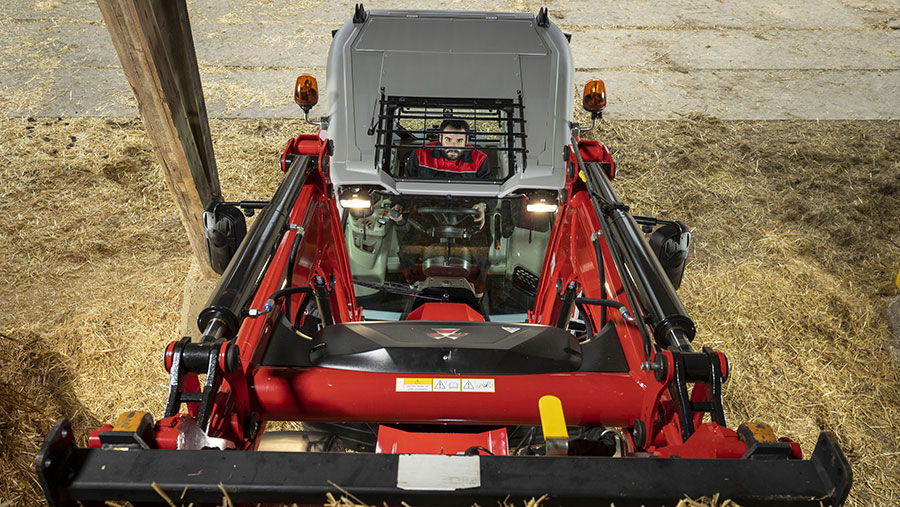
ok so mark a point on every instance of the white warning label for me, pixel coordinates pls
(446, 385)
(477, 385)
(408, 385)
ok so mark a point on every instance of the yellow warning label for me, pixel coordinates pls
(413, 385)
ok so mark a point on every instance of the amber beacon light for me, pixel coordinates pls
(306, 92)
(594, 96)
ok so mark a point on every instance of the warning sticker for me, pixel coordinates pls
(446, 385)
(477, 385)
(414, 385)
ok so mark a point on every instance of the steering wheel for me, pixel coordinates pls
(453, 217)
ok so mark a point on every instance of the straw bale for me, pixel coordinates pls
(795, 249)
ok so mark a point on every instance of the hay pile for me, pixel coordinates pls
(92, 273)
(796, 230)
(795, 252)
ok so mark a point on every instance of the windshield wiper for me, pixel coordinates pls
(396, 288)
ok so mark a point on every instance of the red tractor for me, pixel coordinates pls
(445, 283)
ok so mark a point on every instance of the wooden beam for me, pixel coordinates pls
(154, 43)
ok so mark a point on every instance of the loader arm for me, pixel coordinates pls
(643, 399)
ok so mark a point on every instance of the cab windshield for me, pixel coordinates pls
(484, 252)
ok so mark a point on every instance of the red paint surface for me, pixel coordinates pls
(322, 394)
(709, 441)
(394, 441)
(459, 312)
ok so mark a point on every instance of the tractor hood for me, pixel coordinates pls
(451, 348)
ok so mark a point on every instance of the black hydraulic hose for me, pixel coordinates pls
(529, 437)
(228, 302)
(290, 290)
(603, 304)
(602, 268)
(610, 303)
(668, 317)
(278, 294)
(292, 260)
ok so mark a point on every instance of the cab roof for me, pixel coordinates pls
(449, 54)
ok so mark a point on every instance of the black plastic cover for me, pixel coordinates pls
(603, 353)
(446, 348)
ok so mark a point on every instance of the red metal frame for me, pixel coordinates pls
(394, 441)
(321, 394)
(259, 393)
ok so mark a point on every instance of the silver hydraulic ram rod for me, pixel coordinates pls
(666, 314)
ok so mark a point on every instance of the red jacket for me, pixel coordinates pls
(431, 163)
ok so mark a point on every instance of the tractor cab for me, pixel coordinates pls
(395, 76)
(422, 219)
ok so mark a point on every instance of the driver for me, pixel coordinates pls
(448, 161)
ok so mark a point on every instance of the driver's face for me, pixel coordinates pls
(453, 139)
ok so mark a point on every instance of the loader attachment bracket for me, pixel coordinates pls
(708, 370)
(184, 358)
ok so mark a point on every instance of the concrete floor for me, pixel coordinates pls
(733, 59)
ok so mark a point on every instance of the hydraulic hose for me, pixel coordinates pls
(292, 260)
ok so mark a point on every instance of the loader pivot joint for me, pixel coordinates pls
(184, 359)
(705, 370)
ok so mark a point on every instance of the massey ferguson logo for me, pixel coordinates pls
(441, 332)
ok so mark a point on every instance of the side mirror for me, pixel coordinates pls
(225, 228)
(671, 243)
(306, 92)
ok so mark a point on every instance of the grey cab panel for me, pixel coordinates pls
(460, 55)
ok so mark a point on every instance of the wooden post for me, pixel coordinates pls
(154, 43)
